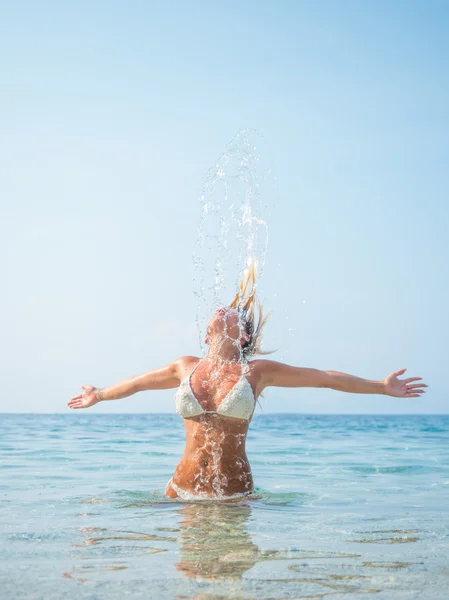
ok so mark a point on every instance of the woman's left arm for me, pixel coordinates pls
(281, 375)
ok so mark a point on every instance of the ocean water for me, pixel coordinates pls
(351, 507)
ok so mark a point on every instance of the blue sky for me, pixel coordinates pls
(111, 113)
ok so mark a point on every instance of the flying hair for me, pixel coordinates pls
(247, 304)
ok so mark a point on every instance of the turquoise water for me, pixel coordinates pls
(351, 506)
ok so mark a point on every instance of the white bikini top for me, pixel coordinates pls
(239, 402)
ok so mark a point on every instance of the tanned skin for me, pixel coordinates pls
(214, 459)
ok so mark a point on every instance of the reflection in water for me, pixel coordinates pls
(214, 541)
(215, 544)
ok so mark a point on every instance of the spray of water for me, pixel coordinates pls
(232, 234)
(232, 239)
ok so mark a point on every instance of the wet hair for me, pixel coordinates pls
(247, 304)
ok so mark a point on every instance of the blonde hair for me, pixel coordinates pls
(246, 302)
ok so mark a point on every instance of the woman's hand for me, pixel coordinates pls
(403, 388)
(88, 398)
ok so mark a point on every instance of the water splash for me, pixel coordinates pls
(232, 234)
(230, 247)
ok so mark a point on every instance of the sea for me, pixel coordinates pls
(352, 506)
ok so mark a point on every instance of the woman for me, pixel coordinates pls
(216, 396)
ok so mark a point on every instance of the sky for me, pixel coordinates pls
(112, 113)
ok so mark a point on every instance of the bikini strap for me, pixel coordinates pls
(196, 367)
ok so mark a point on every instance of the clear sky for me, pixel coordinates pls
(112, 112)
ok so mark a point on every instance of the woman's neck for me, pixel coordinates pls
(225, 352)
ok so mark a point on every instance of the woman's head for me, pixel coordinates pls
(238, 322)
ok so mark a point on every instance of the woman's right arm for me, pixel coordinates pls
(159, 379)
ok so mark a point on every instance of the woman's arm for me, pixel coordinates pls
(281, 375)
(159, 379)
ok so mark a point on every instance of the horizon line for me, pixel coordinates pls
(257, 415)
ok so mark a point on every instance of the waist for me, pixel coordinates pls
(213, 473)
(221, 457)
(194, 496)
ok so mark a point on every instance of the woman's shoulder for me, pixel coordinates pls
(260, 365)
(185, 364)
(262, 369)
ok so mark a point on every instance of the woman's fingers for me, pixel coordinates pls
(81, 400)
(78, 401)
(410, 379)
(416, 385)
(400, 372)
(78, 398)
(77, 405)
